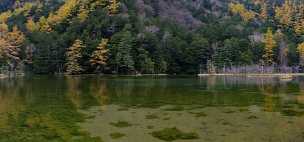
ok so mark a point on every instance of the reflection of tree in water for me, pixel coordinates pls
(99, 91)
(73, 91)
(268, 92)
(300, 97)
(10, 102)
(46, 115)
(123, 87)
(228, 81)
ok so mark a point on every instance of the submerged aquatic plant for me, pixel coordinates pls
(175, 108)
(290, 112)
(252, 117)
(121, 124)
(199, 114)
(45, 120)
(171, 134)
(117, 135)
(152, 116)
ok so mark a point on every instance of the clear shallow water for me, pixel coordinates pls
(133, 109)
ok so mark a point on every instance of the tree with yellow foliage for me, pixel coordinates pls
(31, 25)
(264, 12)
(301, 53)
(73, 56)
(3, 45)
(63, 12)
(284, 13)
(98, 3)
(82, 13)
(99, 56)
(113, 7)
(3, 28)
(43, 25)
(10, 44)
(237, 8)
(270, 44)
(4, 16)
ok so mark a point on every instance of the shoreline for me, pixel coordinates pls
(3, 76)
(282, 75)
(253, 74)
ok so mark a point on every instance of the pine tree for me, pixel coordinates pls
(73, 56)
(122, 44)
(100, 55)
(145, 63)
(270, 44)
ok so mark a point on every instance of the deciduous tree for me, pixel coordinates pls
(301, 53)
(10, 47)
(114, 7)
(31, 25)
(73, 56)
(100, 55)
(270, 44)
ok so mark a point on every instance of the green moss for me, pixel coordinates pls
(121, 124)
(117, 135)
(171, 134)
(150, 127)
(152, 116)
(175, 108)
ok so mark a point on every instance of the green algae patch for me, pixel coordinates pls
(117, 135)
(199, 114)
(123, 109)
(289, 112)
(252, 117)
(229, 111)
(167, 118)
(175, 108)
(172, 134)
(244, 110)
(121, 124)
(152, 116)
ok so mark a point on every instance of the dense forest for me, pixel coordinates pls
(151, 36)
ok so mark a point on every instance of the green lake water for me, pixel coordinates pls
(151, 109)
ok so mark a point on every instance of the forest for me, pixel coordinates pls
(151, 36)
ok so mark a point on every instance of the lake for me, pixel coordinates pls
(151, 109)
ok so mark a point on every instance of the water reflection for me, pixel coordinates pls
(44, 108)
